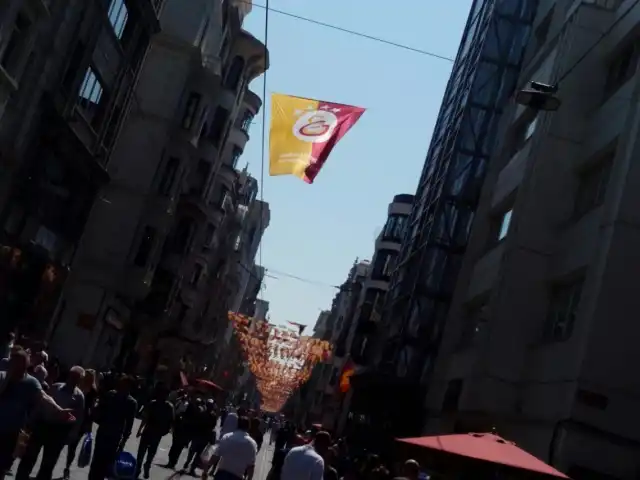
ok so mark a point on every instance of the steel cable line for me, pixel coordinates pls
(263, 153)
(348, 31)
(276, 274)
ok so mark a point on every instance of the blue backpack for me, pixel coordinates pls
(125, 466)
(84, 458)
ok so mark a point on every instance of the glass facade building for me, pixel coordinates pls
(482, 81)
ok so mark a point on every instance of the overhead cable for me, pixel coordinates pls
(349, 32)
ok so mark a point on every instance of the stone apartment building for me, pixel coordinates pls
(540, 341)
(68, 70)
(156, 272)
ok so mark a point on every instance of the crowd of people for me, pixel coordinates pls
(44, 410)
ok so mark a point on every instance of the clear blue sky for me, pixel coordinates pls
(318, 230)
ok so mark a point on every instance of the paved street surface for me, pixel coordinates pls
(157, 472)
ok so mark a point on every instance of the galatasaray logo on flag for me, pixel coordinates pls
(304, 132)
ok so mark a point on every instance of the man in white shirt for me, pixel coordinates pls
(306, 462)
(235, 455)
(230, 423)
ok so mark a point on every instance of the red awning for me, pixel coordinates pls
(202, 382)
(486, 447)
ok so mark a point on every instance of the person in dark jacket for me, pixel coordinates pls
(202, 434)
(255, 431)
(115, 414)
(183, 429)
(157, 419)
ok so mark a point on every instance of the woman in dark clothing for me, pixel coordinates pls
(90, 390)
(256, 432)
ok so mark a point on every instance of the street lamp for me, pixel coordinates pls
(539, 96)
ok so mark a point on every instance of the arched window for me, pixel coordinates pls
(235, 73)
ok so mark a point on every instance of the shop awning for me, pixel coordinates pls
(202, 382)
(486, 447)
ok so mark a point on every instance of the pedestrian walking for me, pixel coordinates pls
(115, 415)
(307, 462)
(183, 431)
(48, 432)
(20, 396)
(204, 433)
(235, 455)
(157, 419)
(89, 387)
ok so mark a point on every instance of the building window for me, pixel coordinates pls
(222, 199)
(118, 16)
(384, 265)
(474, 325)
(592, 188)
(247, 119)
(563, 310)
(499, 227)
(190, 110)
(395, 227)
(145, 247)
(218, 124)
(372, 304)
(199, 183)
(235, 73)
(523, 132)
(621, 68)
(75, 63)
(92, 100)
(182, 238)
(168, 176)
(203, 32)
(505, 223)
(452, 395)
(16, 49)
(183, 311)
(224, 47)
(209, 235)
(196, 275)
(204, 125)
(235, 156)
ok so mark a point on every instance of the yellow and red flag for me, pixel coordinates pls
(303, 133)
(348, 371)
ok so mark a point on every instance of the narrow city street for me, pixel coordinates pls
(157, 471)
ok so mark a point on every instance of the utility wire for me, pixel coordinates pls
(268, 9)
(300, 279)
(347, 31)
(263, 153)
(276, 274)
